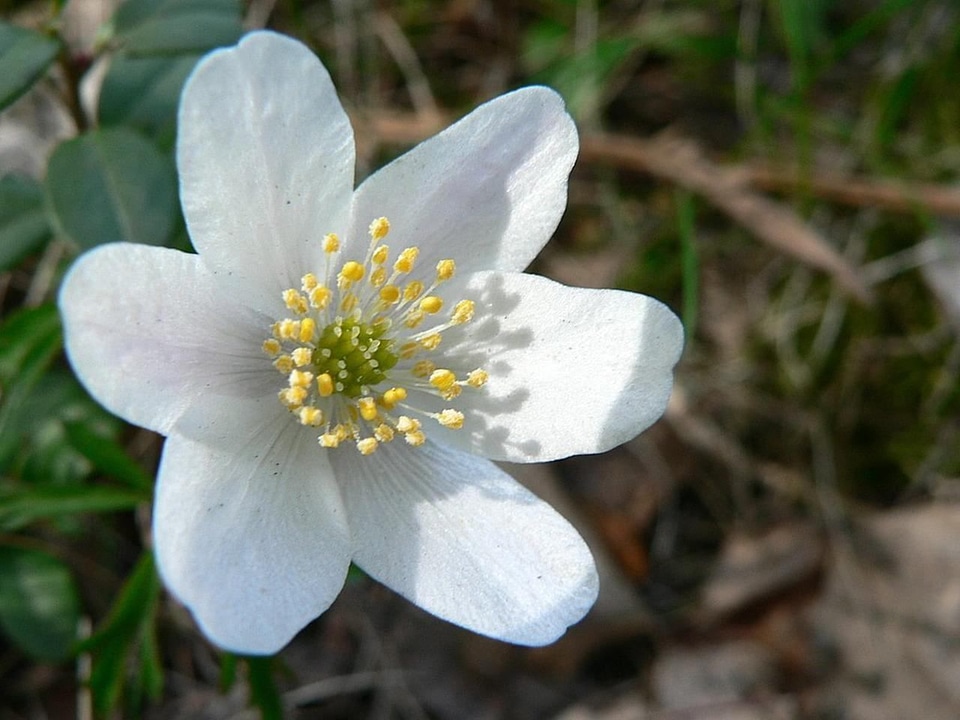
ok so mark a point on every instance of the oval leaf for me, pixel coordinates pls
(144, 92)
(111, 185)
(151, 27)
(38, 603)
(24, 57)
(23, 219)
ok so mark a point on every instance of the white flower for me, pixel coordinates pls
(334, 386)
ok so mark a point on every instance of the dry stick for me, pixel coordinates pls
(681, 162)
(884, 194)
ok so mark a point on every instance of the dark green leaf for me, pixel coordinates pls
(38, 603)
(23, 219)
(24, 504)
(144, 92)
(128, 629)
(24, 57)
(263, 689)
(107, 456)
(23, 336)
(151, 27)
(111, 185)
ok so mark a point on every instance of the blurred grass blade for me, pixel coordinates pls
(24, 56)
(23, 505)
(128, 632)
(263, 690)
(39, 605)
(112, 185)
(23, 219)
(107, 456)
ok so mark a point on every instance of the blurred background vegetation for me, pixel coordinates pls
(784, 544)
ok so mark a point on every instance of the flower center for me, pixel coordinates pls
(359, 340)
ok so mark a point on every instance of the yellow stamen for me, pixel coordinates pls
(431, 304)
(431, 341)
(367, 445)
(423, 368)
(452, 419)
(383, 433)
(325, 385)
(284, 364)
(368, 408)
(415, 438)
(443, 379)
(352, 271)
(390, 294)
(408, 257)
(445, 270)
(308, 330)
(477, 378)
(413, 318)
(393, 396)
(271, 347)
(292, 397)
(329, 440)
(300, 378)
(407, 424)
(462, 312)
(413, 290)
(379, 228)
(331, 243)
(311, 416)
(295, 301)
(320, 297)
(308, 282)
(378, 277)
(302, 356)
(380, 255)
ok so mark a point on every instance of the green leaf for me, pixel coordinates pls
(25, 338)
(23, 219)
(24, 56)
(144, 92)
(263, 689)
(39, 608)
(22, 505)
(127, 632)
(107, 456)
(112, 185)
(152, 27)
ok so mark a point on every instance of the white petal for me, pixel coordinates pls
(249, 528)
(463, 540)
(488, 191)
(572, 370)
(148, 332)
(266, 160)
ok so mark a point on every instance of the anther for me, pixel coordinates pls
(462, 312)
(443, 379)
(379, 228)
(380, 255)
(408, 257)
(452, 419)
(445, 270)
(331, 243)
(477, 378)
(302, 356)
(325, 385)
(431, 304)
(352, 271)
(366, 446)
(368, 408)
(271, 347)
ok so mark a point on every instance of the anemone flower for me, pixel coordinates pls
(335, 369)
